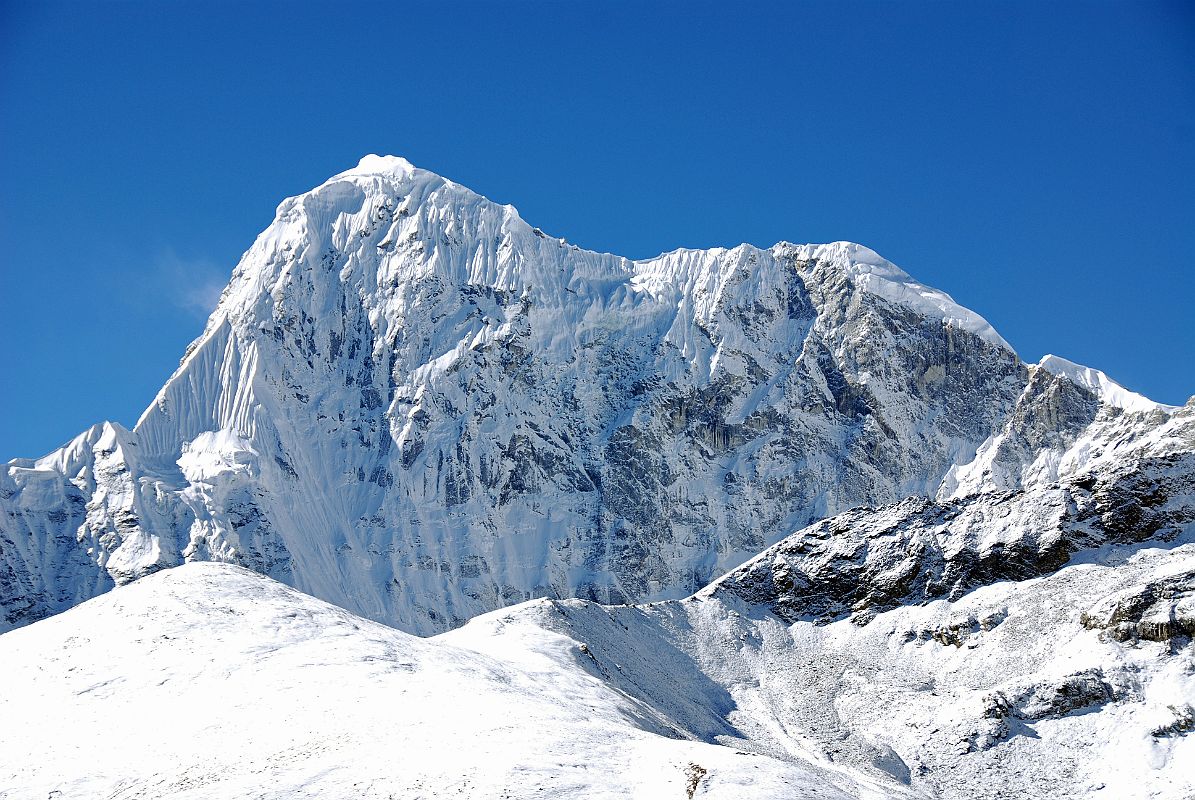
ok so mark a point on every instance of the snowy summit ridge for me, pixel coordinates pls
(1100, 384)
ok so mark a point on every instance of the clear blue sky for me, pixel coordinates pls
(1036, 160)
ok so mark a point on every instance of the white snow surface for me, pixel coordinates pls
(210, 681)
(978, 698)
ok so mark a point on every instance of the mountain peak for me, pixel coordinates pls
(1108, 390)
(373, 164)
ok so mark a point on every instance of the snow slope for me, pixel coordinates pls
(209, 681)
(1014, 690)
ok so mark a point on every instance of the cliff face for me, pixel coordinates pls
(414, 405)
(1136, 485)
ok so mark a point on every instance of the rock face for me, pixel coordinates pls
(1138, 488)
(412, 404)
(1158, 610)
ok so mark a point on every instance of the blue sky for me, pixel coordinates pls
(1035, 160)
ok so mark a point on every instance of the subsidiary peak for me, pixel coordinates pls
(1108, 390)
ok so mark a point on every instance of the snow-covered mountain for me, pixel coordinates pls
(911, 565)
(411, 403)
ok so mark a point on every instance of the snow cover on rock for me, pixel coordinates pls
(1099, 384)
(914, 551)
(209, 681)
(947, 574)
(1018, 689)
(1068, 420)
(413, 404)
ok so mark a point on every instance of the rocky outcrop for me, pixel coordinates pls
(1160, 610)
(869, 560)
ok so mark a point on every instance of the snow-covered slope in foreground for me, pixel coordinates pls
(209, 681)
(1079, 684)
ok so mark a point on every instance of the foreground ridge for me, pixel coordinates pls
(322, 702)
